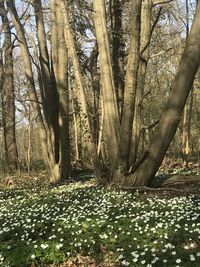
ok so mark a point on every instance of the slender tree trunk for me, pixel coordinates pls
(187, 110)
(186, 131)
(30, 131)
(130, 90)
(144, 57)
(1, 90)
(101, 130)
(96, 90)
(62, 87)
(70, 45)
(8, 96)
(54, 5)
(171, 116)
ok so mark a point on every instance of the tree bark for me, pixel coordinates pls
(62, 87)
(130, 88)
(144, 57)
(112, 126)
(118, 46)
(8, 96)
(96, 91)
(187, 110)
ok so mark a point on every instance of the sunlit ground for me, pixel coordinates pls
(113, 227)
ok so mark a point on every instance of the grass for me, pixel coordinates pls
(79, 221)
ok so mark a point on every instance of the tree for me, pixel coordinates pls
(48, 124)
(8, 95)
(55, 85)
(146, 167)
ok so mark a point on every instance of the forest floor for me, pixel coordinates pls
(82, 224)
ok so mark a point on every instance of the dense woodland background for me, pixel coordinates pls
(110, 85)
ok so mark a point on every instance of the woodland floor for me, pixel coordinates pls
(82, 224)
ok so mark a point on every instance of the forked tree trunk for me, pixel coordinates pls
(48, 84)
(8, 96)
(48, 152)
(130, 91)
(171, 115)
(55, 86)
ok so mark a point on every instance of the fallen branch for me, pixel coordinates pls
(146, 188)
(151, 189)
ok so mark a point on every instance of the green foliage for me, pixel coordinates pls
(111, 226)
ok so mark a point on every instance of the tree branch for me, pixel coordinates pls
(162, 52)
(155, 3)
(152, 29)
(151, 189)
(150, 126)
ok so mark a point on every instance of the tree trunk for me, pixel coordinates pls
(171, 115)
(187, 116)
(187, 110)
(112, 127)
(54, 65)
(70, 45)
(96, 91)
(130, 89)
(62, 87)
(144, 57)
(47, 148)
(118, 46)
(48, 84)
(8, 96)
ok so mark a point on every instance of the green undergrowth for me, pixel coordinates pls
(115, 228)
